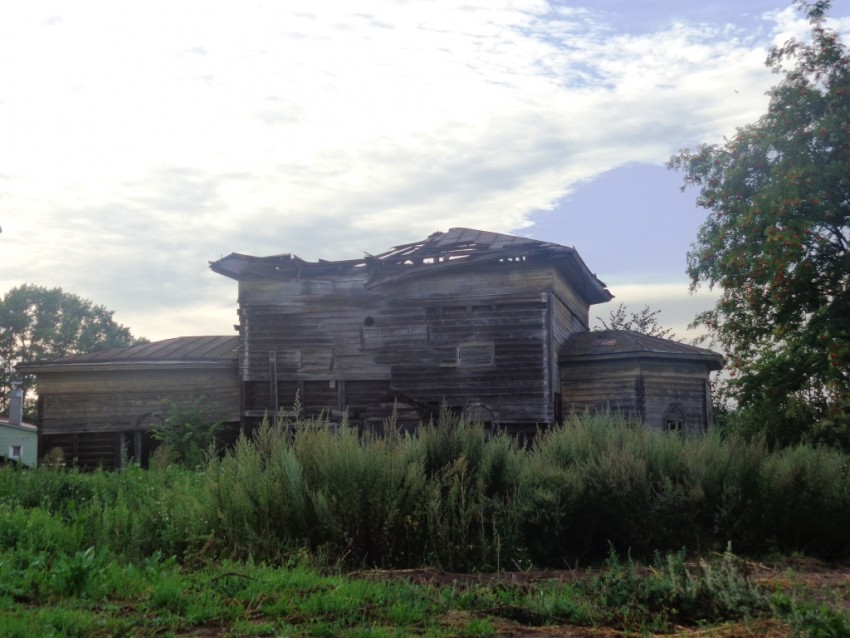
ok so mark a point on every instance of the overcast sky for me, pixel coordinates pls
(140, 140)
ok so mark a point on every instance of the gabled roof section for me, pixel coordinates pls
(625, 344)
(207, 350)
(458, 248)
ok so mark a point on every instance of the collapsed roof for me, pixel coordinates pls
(457, 249)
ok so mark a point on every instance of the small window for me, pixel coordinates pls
(16, 452)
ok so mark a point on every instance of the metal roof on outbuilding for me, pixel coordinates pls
(178, 350)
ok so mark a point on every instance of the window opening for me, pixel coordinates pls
(674, 419)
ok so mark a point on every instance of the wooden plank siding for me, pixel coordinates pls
(88, 450)
(604, 386)
(680, 386)
(100, 401)
(414, 338)
(662, 383)
(100, 407)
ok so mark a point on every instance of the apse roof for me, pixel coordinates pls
(597, 345)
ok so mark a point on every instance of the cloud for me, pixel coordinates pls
(141, 141)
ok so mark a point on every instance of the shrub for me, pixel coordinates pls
(675, 592)
(188, 432)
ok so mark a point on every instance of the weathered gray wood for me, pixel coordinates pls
(643, 378)
(486, 336)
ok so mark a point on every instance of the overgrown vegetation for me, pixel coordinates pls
(452, 497)
(191, 547)
(187, 434)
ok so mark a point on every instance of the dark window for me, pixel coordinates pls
(674, 419)
(674, 425)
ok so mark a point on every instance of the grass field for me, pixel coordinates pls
(88, 594)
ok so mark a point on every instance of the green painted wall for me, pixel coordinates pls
(24, 436)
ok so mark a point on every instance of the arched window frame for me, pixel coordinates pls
(674, 419)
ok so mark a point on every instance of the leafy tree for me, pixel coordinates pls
(776, 243)
(38, 324)
(645, 322)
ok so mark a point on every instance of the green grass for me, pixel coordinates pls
(246, 599)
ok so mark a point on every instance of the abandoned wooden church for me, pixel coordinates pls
(493, 326)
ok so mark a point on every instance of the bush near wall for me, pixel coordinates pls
(450, 496)
(453, 497)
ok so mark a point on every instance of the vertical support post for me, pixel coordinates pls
(340, 395)
(274, 404)
(707, 405)
(137, 446)
(121, 460)
(640, 397)
(552, 381)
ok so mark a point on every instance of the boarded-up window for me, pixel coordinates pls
(411, 335)
(475, 354)
(316, 359)
(288, 360)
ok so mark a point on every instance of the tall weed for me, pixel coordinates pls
(804, 499)
(334, 491)
(450, 496)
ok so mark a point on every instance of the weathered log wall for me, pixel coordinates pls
(653, 391)
(108, 401)
(102, 417)
(488, 338)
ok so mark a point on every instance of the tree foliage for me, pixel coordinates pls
(645, 321)
(776, 241)
(38, 324)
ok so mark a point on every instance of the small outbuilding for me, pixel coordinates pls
(99, 408)
(660, 382)
(18, 440)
